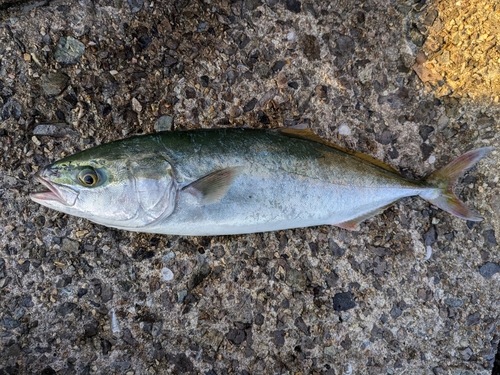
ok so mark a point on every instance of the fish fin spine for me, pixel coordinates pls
(443, 180)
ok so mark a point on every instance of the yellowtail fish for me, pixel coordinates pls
(234, 181)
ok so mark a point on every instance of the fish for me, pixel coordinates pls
(231, 181)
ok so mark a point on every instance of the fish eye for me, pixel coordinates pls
(88, 177)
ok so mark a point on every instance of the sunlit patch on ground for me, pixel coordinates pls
(462, 49)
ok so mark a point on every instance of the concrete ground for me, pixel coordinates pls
(414, 291)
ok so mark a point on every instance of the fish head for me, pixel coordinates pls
(117, 189)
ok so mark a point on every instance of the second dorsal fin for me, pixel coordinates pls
(309, 135)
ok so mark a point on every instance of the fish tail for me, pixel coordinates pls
(443, 180)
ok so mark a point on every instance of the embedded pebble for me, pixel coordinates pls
(344, 129)
(136, 105)
(115, 327)
(488, 269)
(167, 274)
(164, 123)
(59, 129)
(135, 5)
(343, 301)
(69, 50)
(54, 83)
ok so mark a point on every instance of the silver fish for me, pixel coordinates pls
(234, 181)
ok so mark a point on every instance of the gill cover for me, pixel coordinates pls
(155, 189)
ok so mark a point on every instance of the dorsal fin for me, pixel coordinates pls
(309, 135)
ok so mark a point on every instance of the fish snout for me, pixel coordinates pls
(48, 172)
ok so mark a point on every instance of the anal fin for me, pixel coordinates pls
(353, 224)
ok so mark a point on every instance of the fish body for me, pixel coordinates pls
(234, 181)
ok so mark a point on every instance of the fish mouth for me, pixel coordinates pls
(52, 194)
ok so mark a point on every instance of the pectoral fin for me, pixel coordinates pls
(212, 187)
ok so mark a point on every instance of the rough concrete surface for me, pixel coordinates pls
(414, 291)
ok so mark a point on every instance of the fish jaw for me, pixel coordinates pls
(56, 196)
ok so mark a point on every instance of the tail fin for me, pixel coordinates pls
(443, 180)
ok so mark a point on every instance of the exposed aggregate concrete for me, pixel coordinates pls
(414, 291)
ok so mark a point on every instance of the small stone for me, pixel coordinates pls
(427, 150)
(263, 118)
(106, 293)
(430, 236)
(11, 109)
(343, 50)
(262, 70)
(430, 17)
(204, 81)
(70, 246)
(58, 129)
(489, 269)
(164, 123)
(331, 351)
(466, 353)
(135, 5)
(346, 343)
(115, 327)
(343, 301)
(235, 111)
(344, 129)
(168, 256)
(385, 137)
(293, 5)
(474, 319)
(236, 336)
(396, 312)
(69, 50)
(136, 106)
(279, 338)
(425, 131)
(120, 366)
(281, 81)
(278, 65)
(259, 319)
(9, 323)
(167, 274)
(336, 250)
(66, 308)
(181, 295)
(54, 83)
(300, 324)
(396, 100)
(295, 279)
(250, 105)
(454, 302)
(91, 329)
(170, 61)
(365, 74)
(190, 93)
(310, 47)
(321, 91)
(489, 236)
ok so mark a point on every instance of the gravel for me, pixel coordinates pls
(410, 83)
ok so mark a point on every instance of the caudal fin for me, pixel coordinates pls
(443, 180)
